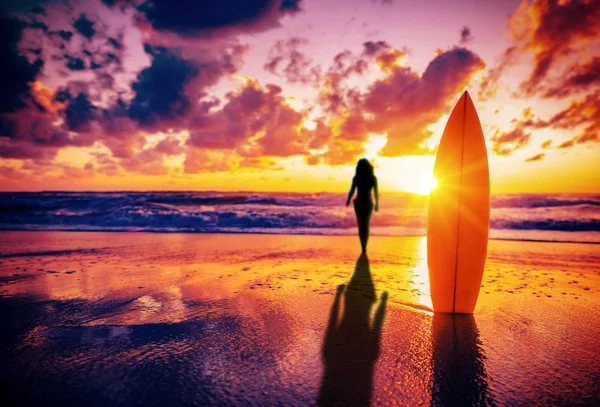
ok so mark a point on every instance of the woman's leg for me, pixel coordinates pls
(363, 217)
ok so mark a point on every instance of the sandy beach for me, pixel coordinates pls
(227, 319)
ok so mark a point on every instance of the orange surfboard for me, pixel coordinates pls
(459, 213)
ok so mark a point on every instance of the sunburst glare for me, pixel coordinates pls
(426, 182)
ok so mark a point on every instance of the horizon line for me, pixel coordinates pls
(274, 192)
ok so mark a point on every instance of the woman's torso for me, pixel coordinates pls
(363, 188)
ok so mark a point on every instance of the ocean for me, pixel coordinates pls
(533, 217)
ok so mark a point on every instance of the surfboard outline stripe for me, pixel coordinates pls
(462, 156)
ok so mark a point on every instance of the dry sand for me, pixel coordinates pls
(193, 319)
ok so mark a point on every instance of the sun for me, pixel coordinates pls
(426, 182)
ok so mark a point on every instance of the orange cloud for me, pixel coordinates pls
(506, 143)
(45, 97)
(536, 157)
(557, 34)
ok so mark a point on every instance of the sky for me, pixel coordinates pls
(286, 95)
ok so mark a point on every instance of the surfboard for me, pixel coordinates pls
(459, 213)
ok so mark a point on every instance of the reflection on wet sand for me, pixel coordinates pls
(459, 377)
(351, 344)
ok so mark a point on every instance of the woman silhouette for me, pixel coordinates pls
(365, 181)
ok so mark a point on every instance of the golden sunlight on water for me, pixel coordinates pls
(420, 278)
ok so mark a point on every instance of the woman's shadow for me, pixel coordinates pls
(351, 345)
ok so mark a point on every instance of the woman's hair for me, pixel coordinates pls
(364, 170)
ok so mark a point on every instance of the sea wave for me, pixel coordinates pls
(213, 212)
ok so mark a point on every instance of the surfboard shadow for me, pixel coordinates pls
(351, 345)
(459, 377)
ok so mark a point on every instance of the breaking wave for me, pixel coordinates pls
(547, 217)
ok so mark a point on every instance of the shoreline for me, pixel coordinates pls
(287, 233)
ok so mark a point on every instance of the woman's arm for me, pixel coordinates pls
(376, 194)
(352, 188)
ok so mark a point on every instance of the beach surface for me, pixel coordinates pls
(133, 319)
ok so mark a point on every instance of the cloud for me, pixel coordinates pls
(536, 157)
(115, 43)
(287, 61)
(581, 115)
(160, 88)
(199, 160)
(74, 63)
(401, 105)
(559, 29)
(190, 18)
(335, 95)
(16, 72)
(37, 25)
(556, 34)
(31, 133)
(84, 26)
(191, 48)
(319, 137)
(374, 48)
(489, 84)
(79, 112)
(170, 146)
(579, 79)
(254, 121)
(404, 104)
(389, 60)
(508, 142)
(65, 35)
(147, 161)
(465, 35)
(120, 133)
(104, 164)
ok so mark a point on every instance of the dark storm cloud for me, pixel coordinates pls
(65, 35)
(160, 88)
(74, 63)
(16, 72)
(37, 9)
(115, 43)
(192, 18)
(39, 25)
(84, 26)
(79, 113)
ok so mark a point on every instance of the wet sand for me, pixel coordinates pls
(191, 319)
